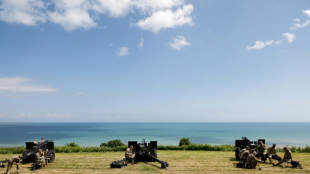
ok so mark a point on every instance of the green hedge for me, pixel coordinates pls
(12, 150)
(202, 147)
(206, 147)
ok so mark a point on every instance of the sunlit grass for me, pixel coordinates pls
(179, 162)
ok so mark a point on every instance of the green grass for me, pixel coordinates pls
(179, 162)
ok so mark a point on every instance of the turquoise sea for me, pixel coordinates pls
(92, 134)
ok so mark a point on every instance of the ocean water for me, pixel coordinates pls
(92, 134)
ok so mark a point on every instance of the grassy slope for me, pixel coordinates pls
(179, 162)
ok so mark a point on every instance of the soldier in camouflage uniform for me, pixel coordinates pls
(129, 154)
(244, 156)
(272, 153)
(244, 149)
(40, 158)
(251, 161)
(14, 159)
(262, 149)
(42, 140)
(287, 157)
(35, 142)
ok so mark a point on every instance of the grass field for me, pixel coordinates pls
(179, 162)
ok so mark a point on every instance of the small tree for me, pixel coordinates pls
(184, 141)
(72, 144)
(103, 144)
(115, 143)
(112, 143)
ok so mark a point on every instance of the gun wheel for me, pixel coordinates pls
(154, 153)
(51, 154)
(237, 153)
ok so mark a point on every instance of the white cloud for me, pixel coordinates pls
(296, 26)
(148, 6)
(123, 51)
(167, 19)
(27, 12)
(141, 43)
(260, 44)
(302, 25)
(279, 42)
(307, 12)
(25, 115)
(289, 37)
(72, 14)
(178, 42)
(75, 14)
(42, 117)
(58, 115)
(12, 86)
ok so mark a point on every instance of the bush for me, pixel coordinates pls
(103, 145)
(72, 144)
(12, 150)
(112, 143)
(184, 141)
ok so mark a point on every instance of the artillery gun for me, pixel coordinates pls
(31, 149)
(240, 144)
(145, 152)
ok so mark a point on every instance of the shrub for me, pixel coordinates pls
(72, 144)
(103, 144)
(112, 143)
(115, 143)
(184, 141)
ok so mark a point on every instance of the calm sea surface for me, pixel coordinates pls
(92, 134)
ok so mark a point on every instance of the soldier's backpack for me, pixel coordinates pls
(296, 164)
(119, 164)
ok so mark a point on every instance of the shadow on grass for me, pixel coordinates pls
(152, 164)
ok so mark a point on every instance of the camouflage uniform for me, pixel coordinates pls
(287, 158)
(241, 151)
(262, 149)
(42, 140)
(244, 155)
(251, 161)
(35, 142)
(10, 164)
(40, 158)
(272, 153)
(47, 158)
(129, 154)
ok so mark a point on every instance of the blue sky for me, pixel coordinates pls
(154, 60)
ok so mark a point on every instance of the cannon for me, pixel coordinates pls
(31, 149)
(240, 144)
(145, 152)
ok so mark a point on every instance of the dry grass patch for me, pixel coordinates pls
(179, 162)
